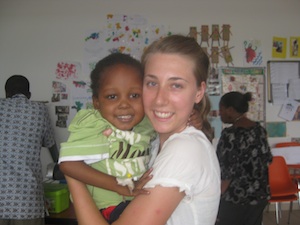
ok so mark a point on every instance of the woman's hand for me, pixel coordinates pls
(139, 184)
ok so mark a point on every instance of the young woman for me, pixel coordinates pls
(185, 184)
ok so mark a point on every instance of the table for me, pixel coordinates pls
(66, 217)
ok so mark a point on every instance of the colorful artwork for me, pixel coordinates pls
(204, 34)
(227, 55)
(122, 33)
(215, 34)
(214, 51)
(253, 53)
(81, 95)
(59, 92)
(294, 47)
(279, 47)
(67, 70)
(289, 110)
(225, 34)
(193, 33)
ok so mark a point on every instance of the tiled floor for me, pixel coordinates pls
(269, 217)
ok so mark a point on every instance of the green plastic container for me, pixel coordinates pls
(56, 197)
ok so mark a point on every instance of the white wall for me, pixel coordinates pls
(36, 34)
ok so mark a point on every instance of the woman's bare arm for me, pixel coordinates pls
(85, 209)
(153, 209)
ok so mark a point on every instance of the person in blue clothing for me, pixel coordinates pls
(25, 128)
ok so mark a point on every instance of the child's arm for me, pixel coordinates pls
(88, 175)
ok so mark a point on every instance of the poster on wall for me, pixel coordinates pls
(129, 34)
(294, 47)
(279, 47)
(289, 109)
(251, 79)
(253, 55)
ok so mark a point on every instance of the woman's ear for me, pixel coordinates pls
(200, 92)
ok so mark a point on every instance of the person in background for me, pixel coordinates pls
(185, 184)
(244, 155)
(24, 129)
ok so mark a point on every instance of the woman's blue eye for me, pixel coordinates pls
(177, 85)
(151, 83)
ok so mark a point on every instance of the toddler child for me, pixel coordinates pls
(109, 164)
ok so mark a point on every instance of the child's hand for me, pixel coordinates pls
(129, 187)
(139, 184)
(194, 120)
(107, 132)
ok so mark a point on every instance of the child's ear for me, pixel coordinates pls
(96, 103)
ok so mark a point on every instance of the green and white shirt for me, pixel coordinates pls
(123, 154)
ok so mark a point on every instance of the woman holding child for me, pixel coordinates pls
(185, 177)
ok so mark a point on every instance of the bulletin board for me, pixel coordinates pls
(283, 81)
(242, 79)
(247, 79)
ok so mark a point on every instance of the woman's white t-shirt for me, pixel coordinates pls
(188, 161)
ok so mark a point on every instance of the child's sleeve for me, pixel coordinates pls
(86, 141)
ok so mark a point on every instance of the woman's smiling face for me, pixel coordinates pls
(169, 92)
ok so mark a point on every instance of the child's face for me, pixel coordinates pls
(120, 96)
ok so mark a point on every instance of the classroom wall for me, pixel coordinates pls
(36, 34)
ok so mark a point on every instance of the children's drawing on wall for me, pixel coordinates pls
(225, 53)
(66, 70)
(213, 81)
(279, 47)
(59, 91)
(62, 113)
(289, 110)
(193, 33)
(204, 34)
(214, 51)
(92, 50)
(225, 32)
(123, 33)
(294, 47)
(215, 34)
(131, 34)
(81, 96)
(214, 56)
(253, 53)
